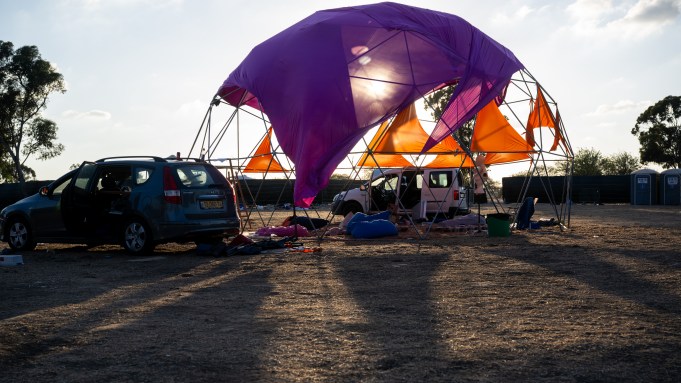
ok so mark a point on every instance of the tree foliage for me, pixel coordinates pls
(588, 162)
(591, 162)
(621, 163)
(659, 133)
(26, 81)
(437, 102)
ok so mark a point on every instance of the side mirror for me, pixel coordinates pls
(44, 191)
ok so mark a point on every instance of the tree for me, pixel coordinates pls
(26, 81)
(437, 102)
(659, 133)
(622, 163)
(588, 162)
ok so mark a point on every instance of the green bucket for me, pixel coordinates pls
(498, 225)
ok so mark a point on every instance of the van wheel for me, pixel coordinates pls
(350, 207)
(137, 237)
(19, 236)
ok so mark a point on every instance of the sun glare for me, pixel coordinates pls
(378, 88)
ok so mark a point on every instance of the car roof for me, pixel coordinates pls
(147, 160)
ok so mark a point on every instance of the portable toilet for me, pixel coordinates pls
(644, 187)
(670, 187)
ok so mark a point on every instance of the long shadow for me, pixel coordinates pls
(600, 274)
(30, 288)
(211, 328)
(395, 294)
(581, 362)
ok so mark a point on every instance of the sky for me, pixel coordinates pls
(141, 74)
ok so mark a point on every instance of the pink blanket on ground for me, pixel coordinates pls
(283, 231)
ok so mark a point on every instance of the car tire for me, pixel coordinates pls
(137, 237)
(19, 235)
(350, 207)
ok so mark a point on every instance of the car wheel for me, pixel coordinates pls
(137, 237)
(19, 236)
(350, 207)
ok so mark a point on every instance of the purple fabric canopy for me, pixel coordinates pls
(325, 81)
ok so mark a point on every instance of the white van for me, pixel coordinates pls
(408, 191)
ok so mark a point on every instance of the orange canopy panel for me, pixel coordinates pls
(493, 134)
(503, 158)
(263, 160)
(406, 135)
(384, 161)
(541, 116)
(451, 161)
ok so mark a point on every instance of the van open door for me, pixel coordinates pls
(442, 193)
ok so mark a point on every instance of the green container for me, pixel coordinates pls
(499, 225)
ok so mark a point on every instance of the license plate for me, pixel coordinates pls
(211, 204)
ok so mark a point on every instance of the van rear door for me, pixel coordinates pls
(442, 191)
(437, 191)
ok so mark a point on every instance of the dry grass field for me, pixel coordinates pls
(599, 302)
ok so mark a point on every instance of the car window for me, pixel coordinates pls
(440, 179)
(377, 181)
(391, 183)
(142, 175)
(196, 176)
(84, 176)
(113, 177)
(60, 187)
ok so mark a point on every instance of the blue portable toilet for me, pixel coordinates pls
(644, 187)
(670, 187)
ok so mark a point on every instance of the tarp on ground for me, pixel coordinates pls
(325, 81)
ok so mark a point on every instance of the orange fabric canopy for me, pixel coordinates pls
(460, 160)
(404, 135)
(492, 134)
(541, 116)
(263, 160)
(384, 161)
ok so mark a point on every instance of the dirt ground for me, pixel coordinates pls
(600, 302)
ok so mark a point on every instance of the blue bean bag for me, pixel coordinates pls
(361, 217)
(374, 229)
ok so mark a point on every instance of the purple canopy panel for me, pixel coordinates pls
(325, 81)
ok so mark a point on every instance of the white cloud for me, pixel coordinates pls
(101, 4)
(654, 11)
(94, 114)
(519, 15)
(619, 107)
(622, 20)
(647, 17)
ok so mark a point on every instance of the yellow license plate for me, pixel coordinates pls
(211, 204)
